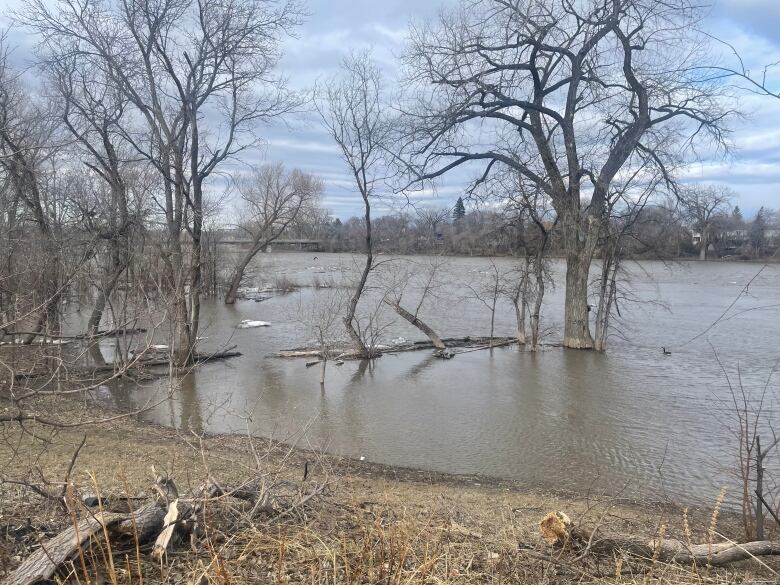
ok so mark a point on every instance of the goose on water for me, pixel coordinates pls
(666, 352)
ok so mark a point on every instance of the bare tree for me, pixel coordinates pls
(272, 198)
(173, 62)
(352, 112)
(27, 145)
(432, 218)
(703, 205)
(424, 279)
(92, 109)
(487, 289)
(566, 94)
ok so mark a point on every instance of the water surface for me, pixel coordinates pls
(632, 421)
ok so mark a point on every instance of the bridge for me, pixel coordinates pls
(283, 243)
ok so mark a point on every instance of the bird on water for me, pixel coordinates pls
(666, 352)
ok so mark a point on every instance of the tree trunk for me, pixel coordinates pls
(106, 289)
(238, 276)
(349, 318)
(704, 244)
(536, 314)
(520, 305)
(576, 333)
(421, 325)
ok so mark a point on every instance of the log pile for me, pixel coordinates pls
(171, 518)
(454, 345)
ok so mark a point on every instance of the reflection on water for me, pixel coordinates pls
(631, 421)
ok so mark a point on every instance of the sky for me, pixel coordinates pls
(334, 27)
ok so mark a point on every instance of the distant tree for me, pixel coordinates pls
(272, 199)
(459, 211)
(736, 215)
(703, 205)
(758, 231)
(432, 217)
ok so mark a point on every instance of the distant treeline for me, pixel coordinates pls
(661, 232)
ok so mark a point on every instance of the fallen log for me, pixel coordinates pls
(169, 527)
(417, 322)
(134, 365)
(346, 352)
(675, 551)
(558, 530)
(43, 563)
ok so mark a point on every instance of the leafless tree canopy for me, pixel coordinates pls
(571, 96)
(352, 112)
(272, 198)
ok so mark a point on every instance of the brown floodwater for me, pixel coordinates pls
(631, 421)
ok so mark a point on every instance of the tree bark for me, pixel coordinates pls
(349, 318)
(238, 276)
(421, 325)
(576, 333)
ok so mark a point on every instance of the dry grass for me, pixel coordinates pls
(374, 524)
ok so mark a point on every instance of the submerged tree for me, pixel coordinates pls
(568, 95)
(351, 110)
(174, 62)
(272, 199)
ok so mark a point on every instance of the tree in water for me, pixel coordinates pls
(272, 199)
(352, 112)
(568, 94)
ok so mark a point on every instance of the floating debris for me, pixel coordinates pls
(249, 324)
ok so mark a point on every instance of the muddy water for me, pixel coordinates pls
(632, 421)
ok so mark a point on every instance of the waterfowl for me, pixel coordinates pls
(665, 351)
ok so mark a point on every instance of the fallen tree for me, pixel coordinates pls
(417, 322)
(168, 519)
(345, 352)
(558, 530)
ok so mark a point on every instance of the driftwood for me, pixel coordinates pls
(344, 352)
(152, 522)
(675, 551)
(134, 365)
(169, 527)
(43, 563)
(557, 529)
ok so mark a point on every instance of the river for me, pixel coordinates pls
(632, 421)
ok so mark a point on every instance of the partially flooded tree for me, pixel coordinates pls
(174, 62)
(704, 206)
(27, 147)
(351, 109)
(536, 224)
(271, 200)
(423, 278)
(568, 95)
(92, 109)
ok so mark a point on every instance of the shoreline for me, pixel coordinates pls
(483, 517)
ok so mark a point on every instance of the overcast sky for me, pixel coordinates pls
(336, 26)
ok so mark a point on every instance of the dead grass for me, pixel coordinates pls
(373, 525)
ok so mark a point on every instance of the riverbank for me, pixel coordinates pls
(370, 520)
